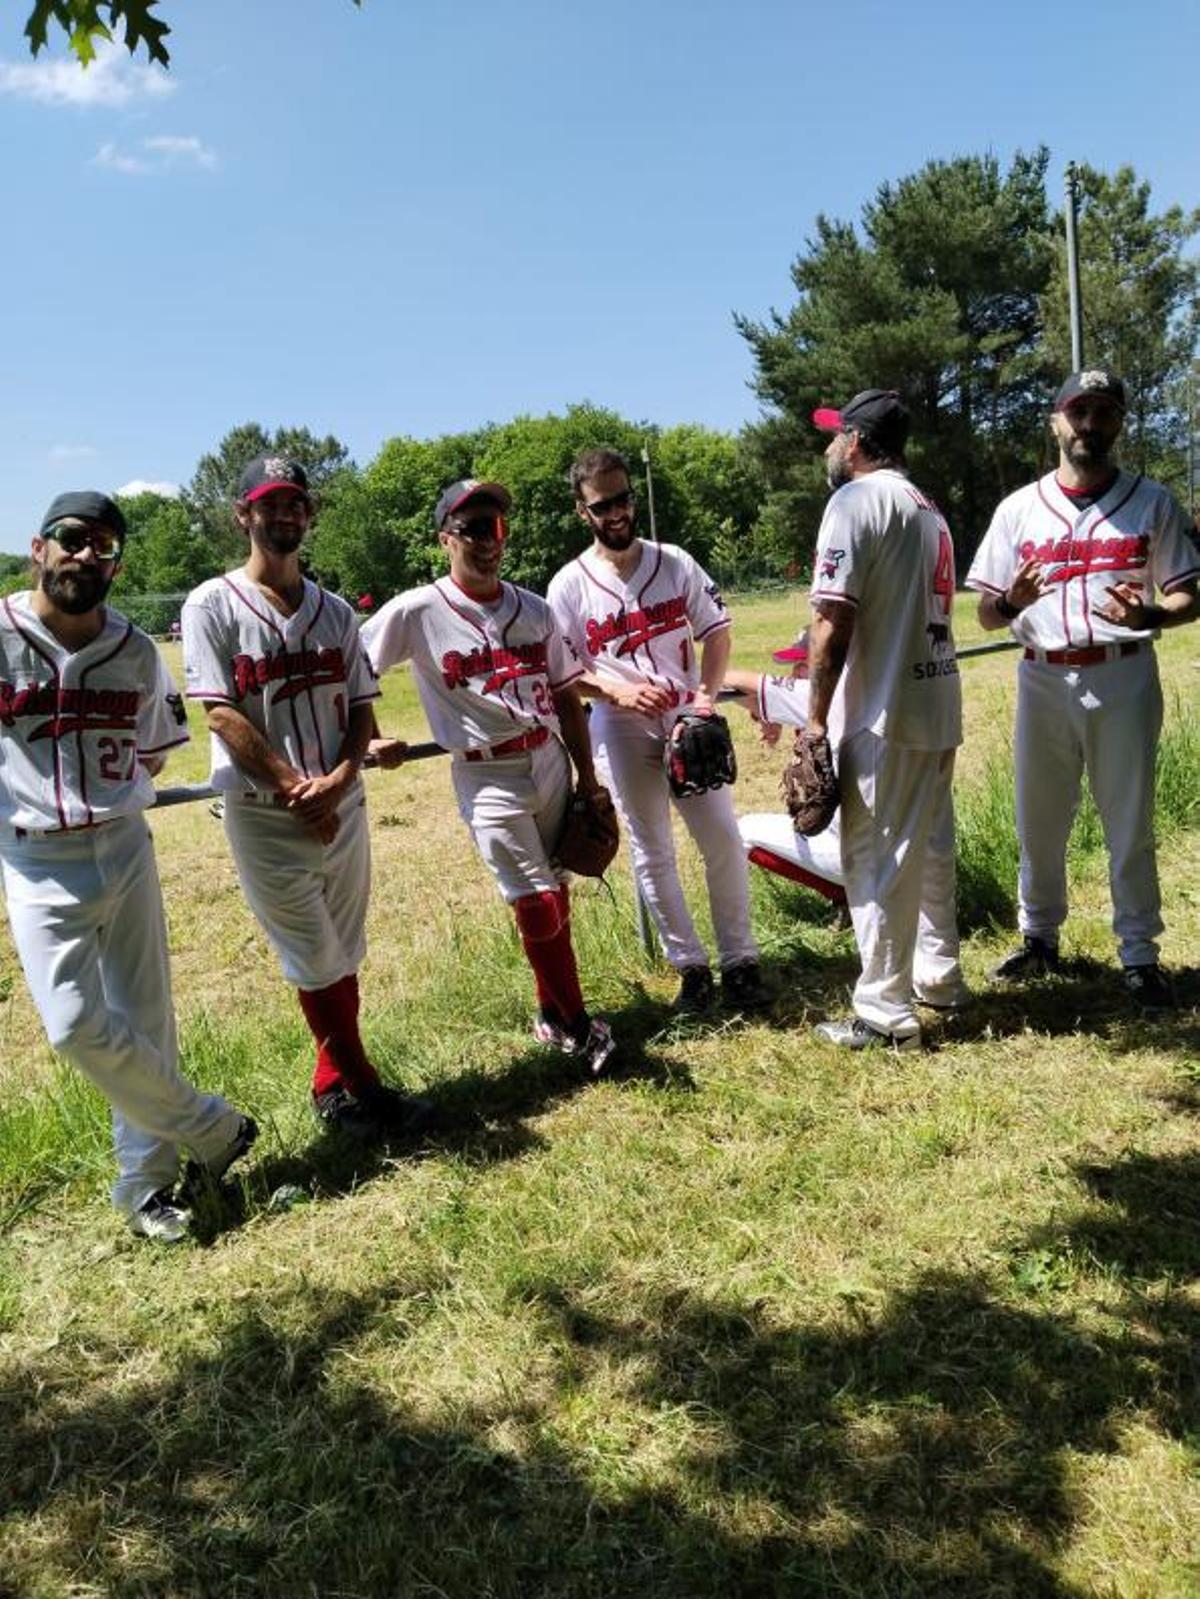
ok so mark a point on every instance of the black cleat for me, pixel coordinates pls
(743, 988)
(1035, 958)
(696, 991)
(1149, 987)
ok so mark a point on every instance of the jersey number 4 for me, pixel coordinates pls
(943, 572)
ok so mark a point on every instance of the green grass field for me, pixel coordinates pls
(748, 1318)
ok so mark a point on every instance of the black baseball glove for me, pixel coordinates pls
(810, 784)
(699, 754)
(589, 836)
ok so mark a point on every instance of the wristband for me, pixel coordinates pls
(1006, 608)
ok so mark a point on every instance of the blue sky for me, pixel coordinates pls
(420, 216)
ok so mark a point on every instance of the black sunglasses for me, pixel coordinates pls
(75, 536)
(614, 502)
(477, 527)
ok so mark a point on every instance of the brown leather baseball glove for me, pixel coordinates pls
(590, 835)
(810, 785)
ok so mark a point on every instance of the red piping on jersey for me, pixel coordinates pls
(465, 616)
(1101, 518)
(112, 654)
(312, 707)
(596, 583)
(263, 616)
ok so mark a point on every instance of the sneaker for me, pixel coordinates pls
(339, 1111)
(696, 991)
(597, 1047)
(854, 1033)
(554, 1034)
(162, 1219)
(742, 987)
(1035, 958)
(376, 1112)
(199, 1173)
(1149, 987)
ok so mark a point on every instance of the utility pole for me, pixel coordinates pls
(1076, 309)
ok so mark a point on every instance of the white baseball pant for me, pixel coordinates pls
(1105, 719)
(897, 827)
(629, 756)
(86, 913)
(309, 898)
(514, 808)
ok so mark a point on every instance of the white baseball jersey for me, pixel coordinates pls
(884, 548)
(294, 678)
(76, 721)
(783, 700)
(646, 625)
(485, 673)
(1137, 533)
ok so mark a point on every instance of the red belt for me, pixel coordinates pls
(1088, 657)
(532, 740)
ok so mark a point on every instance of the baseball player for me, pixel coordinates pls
(497, 684)
(774, 701)
(882, 593)
(277, 664)
(89, 714)
(1070, 564)
(655, 635)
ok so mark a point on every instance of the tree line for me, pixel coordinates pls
(951, 287)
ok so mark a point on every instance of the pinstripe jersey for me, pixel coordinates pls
(485, 673)
(74, 722)
(646, 625)
(294, 678)
(1135, 533)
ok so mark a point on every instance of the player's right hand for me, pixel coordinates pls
(386, 753)
(1028, 583)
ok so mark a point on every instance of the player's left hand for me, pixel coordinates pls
(768, 732)
(317, 798)
(1127, 607)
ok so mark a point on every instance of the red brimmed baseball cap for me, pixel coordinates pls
(791, 653)
(1095, 380)
(267, 473)
(879, 413)
(465, 490)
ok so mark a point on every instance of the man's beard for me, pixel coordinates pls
(75, 590)
(617, 539)
(837, 473)
(1088, 449)
(282, 538)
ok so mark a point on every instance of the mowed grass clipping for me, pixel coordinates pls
(750, 1317)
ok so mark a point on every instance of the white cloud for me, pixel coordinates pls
(73, 452)
(113, 79)
(109, 157)
(169, 491)
(182, 148)
(159, 154)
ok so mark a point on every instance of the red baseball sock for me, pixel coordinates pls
(332, 1017)
(544, 922)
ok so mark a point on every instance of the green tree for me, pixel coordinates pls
(939, 298)
(374, 535)
(86, 21)
(532, 456)
(717, 486)
(1140, 310)
(167, 550)
(210, 495)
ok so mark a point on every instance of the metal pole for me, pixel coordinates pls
(650, 493)
(1075, 307)
(641, 911)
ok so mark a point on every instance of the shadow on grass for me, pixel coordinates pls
(929, 1444)
(1084, 997)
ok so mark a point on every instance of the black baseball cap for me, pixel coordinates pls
(879, 413)
(85, 505)
(266, 473)
(466, 489)
(1093, 380)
